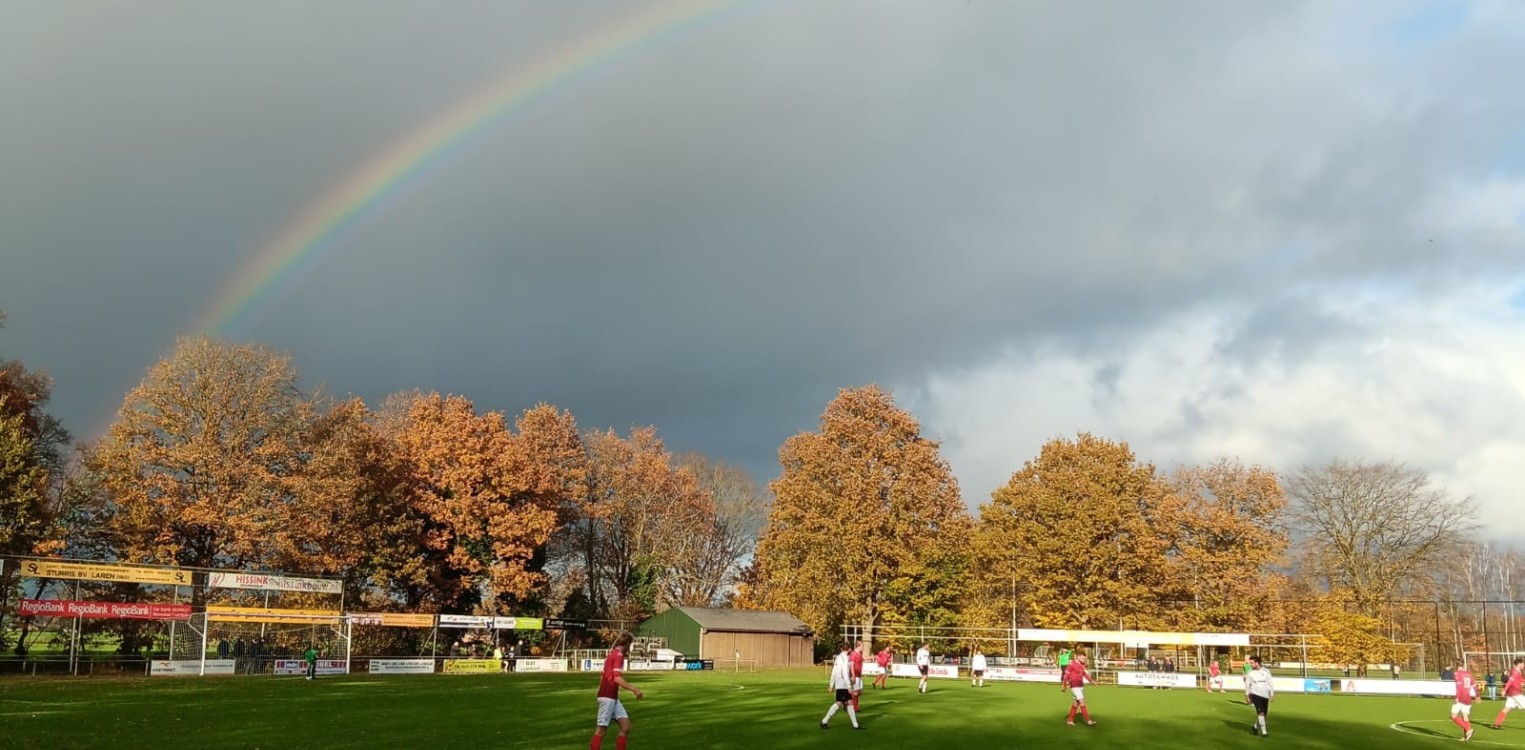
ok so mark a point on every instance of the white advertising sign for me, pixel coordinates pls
(1157, 679)
(189, 667)
(647, 666)
(299, 666)
(945, 671)
(1399, 687)
(1011, 674)
(273, 583)
(402, 666)
(592, 665)
(1234, 682)
(540, 665)
(464, 621)
(871, 669)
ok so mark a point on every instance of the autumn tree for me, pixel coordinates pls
(866, 520)
(646, 524)
(1082, 528)
(1228, 527)
(485, 500)
(1345, 635)
(218, 459)
(32, 461)
(703, 575)
(1375, 528)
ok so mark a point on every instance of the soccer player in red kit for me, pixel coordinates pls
(855, 660)
(883, 658)
(1077, 677)
(609, 706)
(1514, 692)
(1461, 710)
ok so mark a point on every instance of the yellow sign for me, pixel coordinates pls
(471, 666)
(392, 619)
(81, 571)
(223, 613)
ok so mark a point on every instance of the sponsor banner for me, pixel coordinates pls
(464, 621)
(556, 623)
(1134, 638)
(77, 571)
(694, 665)
(106, 610)
(392, 619)
(223, 613)
(648, 666)
(189, 667)
(872, 669)
(1317, 686)
(299, 666)
(471, 666)
(540, 665)
(517, 623)
(1022, 675)
(402, 666)
(1280, 684)
(1445, 689)
(264, 582)
(592, 665)
(1157, 679)
(936, 670)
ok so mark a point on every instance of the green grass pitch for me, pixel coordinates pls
(689, 711)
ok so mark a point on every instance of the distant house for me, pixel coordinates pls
(766, 639)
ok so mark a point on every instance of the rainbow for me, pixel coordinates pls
(298, 247)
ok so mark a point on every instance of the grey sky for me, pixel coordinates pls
(1256, 229)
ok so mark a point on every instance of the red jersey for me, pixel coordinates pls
(1465, 687)
(1076, 675)
(1515, 686)
(883, 658)
(1212, 669)
(614, 666)
(856, 660)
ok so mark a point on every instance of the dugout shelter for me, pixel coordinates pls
(752, 638)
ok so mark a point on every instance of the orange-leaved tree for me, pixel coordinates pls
(1081, 530)
(1229, 525)
(866, 521)
(486, 498)
(211, 462)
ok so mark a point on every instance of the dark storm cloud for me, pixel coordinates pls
(715, 231)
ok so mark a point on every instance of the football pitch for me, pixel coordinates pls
(689, 711)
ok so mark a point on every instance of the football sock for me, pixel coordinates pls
(1500, 720)
(851, 714)
(619, 742)
(598, 742)
(1071, 717)
(1085, 712)
(830, 712)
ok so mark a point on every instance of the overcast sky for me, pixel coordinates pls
(1280, 231)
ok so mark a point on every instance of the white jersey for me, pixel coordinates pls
(923, 657)
(1258, 682)
(979, 663)
(841, 673)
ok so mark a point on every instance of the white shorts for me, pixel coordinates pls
(1461, 709)
(857, 684)
(610, 709)
(1079, 693)
(1216, 682)
(1515, 702)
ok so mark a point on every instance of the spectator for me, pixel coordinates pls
(1170, 664)
(1492, 681)
(222, 648)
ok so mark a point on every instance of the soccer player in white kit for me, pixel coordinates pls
(977, 669)
(1259, 691)
(923, 665)
(842, 683)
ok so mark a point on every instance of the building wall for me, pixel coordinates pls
(680, 630)
(768, 649)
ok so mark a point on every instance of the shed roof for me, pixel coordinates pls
(746, 620)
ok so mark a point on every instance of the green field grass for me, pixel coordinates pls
(688, 711)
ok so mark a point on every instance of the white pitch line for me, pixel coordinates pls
(1399, 727)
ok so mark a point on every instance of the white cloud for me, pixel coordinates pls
(1437, 384)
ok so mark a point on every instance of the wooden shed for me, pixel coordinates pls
(766, 639)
